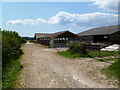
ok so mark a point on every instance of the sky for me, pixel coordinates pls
(28, 18)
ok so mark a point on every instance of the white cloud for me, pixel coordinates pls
(107, 5)
(88, 20)
(27, 21)
(61, 18)
(95, 19)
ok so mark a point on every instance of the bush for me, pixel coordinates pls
(77, 48)
(11, 43)
(24, 40)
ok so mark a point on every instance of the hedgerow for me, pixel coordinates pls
(11, 52)
(11, 43)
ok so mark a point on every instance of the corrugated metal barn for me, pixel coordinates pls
(59, 39)
(110, 34)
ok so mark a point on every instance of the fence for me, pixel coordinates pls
(93, 47)
(98, 48)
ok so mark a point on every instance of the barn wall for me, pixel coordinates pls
(95, 38)
(101, 38)
(115, 37)
(44, 41)
(86, 38)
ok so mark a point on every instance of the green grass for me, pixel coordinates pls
(68, 54)
(113, 70)
(107, 59)
(11, 73)
(90, 54)
(103, 53)
(33, 41)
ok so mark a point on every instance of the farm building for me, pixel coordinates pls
(109, 34)
(59, 39)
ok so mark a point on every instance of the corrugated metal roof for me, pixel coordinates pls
(100, 31)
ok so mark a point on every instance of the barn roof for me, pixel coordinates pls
(100, 31)
(57, 34)
(43, 35)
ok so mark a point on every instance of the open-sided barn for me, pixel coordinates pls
(110, 34)
(59, 39)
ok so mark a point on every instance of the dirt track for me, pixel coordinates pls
(43, 68)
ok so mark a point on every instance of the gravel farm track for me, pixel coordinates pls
(44, 68)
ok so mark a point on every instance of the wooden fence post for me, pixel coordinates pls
(84, 49)
(99, 51)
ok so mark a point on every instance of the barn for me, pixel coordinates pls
(58, 39)
(109, 34)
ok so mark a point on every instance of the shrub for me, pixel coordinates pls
(77, 48)
(23, 40)
(11, 43)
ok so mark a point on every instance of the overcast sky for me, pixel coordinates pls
(28, 18)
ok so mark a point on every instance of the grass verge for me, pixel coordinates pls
(11, 73)
(33, 41)
(113, 70)
(43, 46)
(90, 54)
(109, 59)
(68, 54)
(103, 53)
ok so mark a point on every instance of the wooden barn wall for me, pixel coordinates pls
(44, 41)
(115, 37)
(101, 38)
(86, 38)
